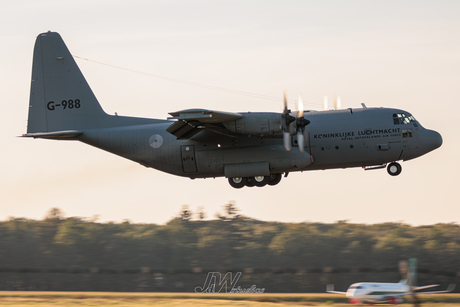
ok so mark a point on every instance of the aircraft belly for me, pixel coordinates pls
(212, 162)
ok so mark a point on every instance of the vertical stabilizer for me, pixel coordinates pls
(60, 97)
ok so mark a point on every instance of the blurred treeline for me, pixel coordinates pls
(280, 257)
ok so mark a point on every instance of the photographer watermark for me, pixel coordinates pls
(215, 283)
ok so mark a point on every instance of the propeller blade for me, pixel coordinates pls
(299, 107)
(300, 140)
(325, 106)
(301, 123)
(285, 102)
(336, 102)
(287, 140)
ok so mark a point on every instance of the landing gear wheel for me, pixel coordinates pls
(260, 181)
(275, 179)
(394, 169)
(249, 183)
(238, 182)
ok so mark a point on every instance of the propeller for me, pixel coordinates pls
(286, 120)
(300, 123)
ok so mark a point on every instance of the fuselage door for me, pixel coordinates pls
(188, 158)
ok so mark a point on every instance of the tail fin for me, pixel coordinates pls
(61, 102)
(60, 97)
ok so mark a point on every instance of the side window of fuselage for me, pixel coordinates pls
(407, 133)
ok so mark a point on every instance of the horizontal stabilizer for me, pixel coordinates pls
(57, 135)
(330, 289)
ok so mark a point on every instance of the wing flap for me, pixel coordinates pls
(184, 130)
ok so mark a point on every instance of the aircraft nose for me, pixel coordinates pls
(433, 139)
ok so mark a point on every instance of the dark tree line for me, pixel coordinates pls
(164, 254)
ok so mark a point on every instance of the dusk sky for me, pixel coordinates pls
(401, 54)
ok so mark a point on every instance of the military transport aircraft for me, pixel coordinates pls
(373, 292)
(248, 148)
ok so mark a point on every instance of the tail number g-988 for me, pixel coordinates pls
(65, 104)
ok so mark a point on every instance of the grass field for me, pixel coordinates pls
(14, 298)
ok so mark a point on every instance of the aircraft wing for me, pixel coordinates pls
(191, 121)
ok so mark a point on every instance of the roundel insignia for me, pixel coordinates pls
(156, 141)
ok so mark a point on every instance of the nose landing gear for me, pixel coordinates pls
(394, 169)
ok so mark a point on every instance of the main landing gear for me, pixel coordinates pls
(258, 181)
(394, 169)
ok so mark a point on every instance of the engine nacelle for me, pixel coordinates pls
(265, 124)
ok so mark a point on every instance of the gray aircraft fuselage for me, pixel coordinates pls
(201, 143)
(337, 139)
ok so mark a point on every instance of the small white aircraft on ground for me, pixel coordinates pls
(374, 292)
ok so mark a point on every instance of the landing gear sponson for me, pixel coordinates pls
(258, 181)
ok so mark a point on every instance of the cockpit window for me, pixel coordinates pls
(403, 119)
